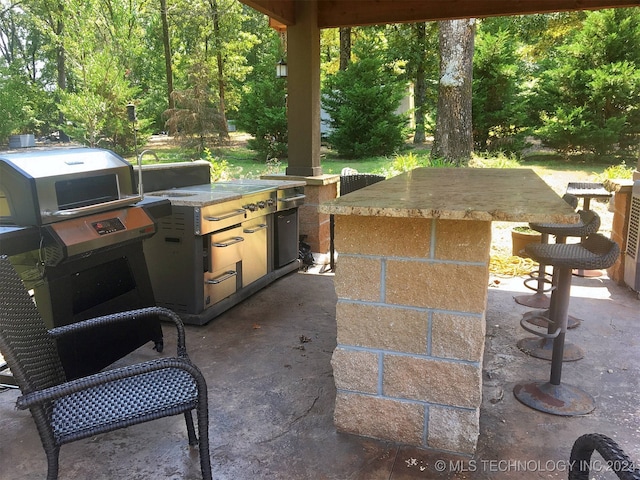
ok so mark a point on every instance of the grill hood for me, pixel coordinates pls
(46, 186)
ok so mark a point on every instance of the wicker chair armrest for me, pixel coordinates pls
(52, 393)
(129, 315)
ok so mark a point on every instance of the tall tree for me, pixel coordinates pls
(420, 91)
(217, 39)
(453, 140)
(414, 49)
(166, 42)
(345, 47)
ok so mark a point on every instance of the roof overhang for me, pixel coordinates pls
(345, 13)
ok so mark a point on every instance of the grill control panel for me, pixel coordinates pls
(109, 225)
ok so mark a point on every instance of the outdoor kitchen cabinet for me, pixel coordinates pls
(219, 245)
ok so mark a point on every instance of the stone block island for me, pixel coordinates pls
(412, 280)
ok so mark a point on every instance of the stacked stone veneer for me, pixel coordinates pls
(412, 294)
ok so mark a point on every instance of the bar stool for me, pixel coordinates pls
(595, 251)
(543, 347)
(539, 299)
(587, 191)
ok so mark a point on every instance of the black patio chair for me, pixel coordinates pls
(349, 183)
(65, 411)
(614, 458)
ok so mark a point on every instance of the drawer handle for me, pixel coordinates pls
(233, 241)
(235, 213)
(292, 199)
(257, 228)
(222, 278)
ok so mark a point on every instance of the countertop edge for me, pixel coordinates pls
(495, 216)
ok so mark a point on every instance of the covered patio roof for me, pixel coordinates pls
(344, 13)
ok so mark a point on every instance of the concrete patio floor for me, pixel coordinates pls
(271, 393)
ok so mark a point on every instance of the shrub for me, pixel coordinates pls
(361, 102)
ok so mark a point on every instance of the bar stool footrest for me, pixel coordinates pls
(533, 318)
(543, 348)
(536, 300)
(536, 279)
(523, 324)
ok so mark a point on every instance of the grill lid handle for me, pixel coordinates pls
(73, 212)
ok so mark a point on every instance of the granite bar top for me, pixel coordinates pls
(488, 194)
(219, 192)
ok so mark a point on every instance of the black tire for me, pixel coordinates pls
(614, 458)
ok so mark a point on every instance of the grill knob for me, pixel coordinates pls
(252, 207)
(261, 204)
(270, 202)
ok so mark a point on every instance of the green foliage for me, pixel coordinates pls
(492, 160)
(196, 117)
(263, 111)
(361, 102)
(498, 105)
(95, 111)
(219, 167)
(403, 163)
(620, 171)
(263, 114)
(18, 105)
(589, 97)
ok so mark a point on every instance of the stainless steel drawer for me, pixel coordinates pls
(225, 248)
(219, 285)
(254, 258)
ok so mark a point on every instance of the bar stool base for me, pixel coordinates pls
(565, 400)
(543, 348)
(536, 300)
(533, 319)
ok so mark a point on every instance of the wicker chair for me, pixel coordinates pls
(65, 411)
(613, 457)
(349, 183)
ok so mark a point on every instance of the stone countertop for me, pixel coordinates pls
(487, 194)
(219, 192)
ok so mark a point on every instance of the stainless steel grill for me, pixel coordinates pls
(90, 222)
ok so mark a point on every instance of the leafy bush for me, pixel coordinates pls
(361, 102)
(219, 168)
(263, 114)
(589, 98)
(18, 104)
(620, 171)
(498, 107)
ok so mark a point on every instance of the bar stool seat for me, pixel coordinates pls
(540, 299)
(542, 348)
(595, 251)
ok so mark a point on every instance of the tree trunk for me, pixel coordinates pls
(345, 47)
(224, 132)
(420, 93)
(453, 140)
(61, 68)
(167, 54)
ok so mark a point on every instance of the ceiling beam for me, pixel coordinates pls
(283, 11)
(344, 13)
(340, 13)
